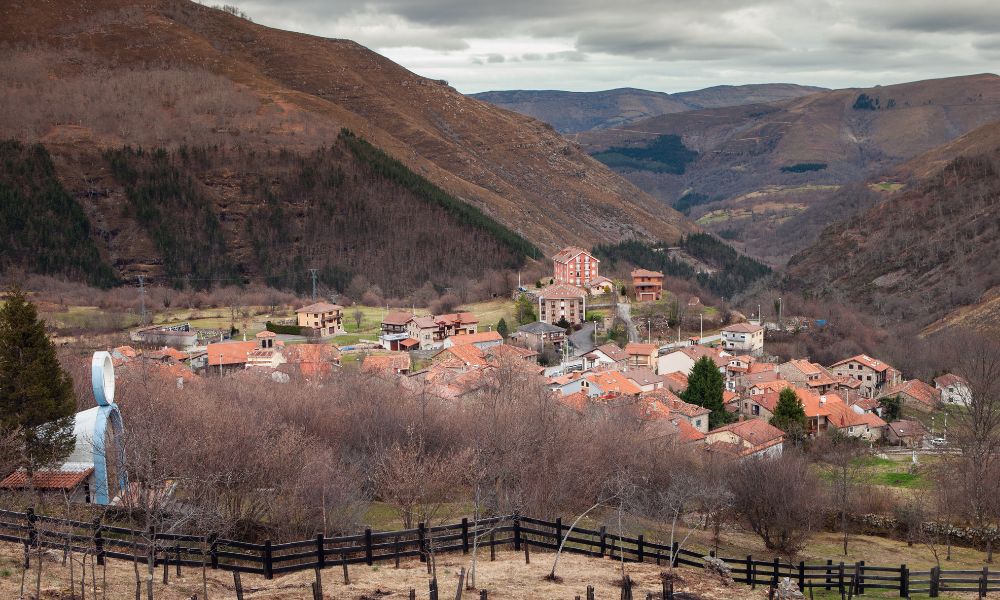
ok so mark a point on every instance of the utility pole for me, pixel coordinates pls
(142, 300)
(649, 331)
(779, 311)
(702, 328)
(313, 273)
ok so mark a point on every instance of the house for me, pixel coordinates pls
(745, 338)
(694, 415)
(562, 301)
(395, 332)
(311, 361)
(745, 439)
(481, 340)
(177, 336)
(425, 331)
(226, 357)
(606, 384)
(953, 389)
(494, 354)
(71, 481)
(803, 373)
(908, 433)
(467, 354)
(538, 335)
(430, 332)
(683, 359)
(641, 355)
(395, 363)
(267, 353)
(645, 378)
(574, 266)
(648, 285)
(600, 285)
(854, 422)
(875, 376)
(608, 356)
(676, 382)
(915, 394)
(324, 318)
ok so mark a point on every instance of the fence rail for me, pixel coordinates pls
(520, 532)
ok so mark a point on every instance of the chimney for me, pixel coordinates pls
(742, 418)
(822, 400)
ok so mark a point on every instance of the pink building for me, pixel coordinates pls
(574, 266)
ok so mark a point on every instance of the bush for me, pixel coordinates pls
(803, 167)
(665, 154)
(284, 329)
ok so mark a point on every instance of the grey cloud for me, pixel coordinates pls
(495, 58)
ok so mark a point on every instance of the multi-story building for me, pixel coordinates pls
(875, 376)
(574, 266)
(648, 285)
(562, 301)
(324, 318)
(743, 337)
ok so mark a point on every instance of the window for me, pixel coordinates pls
(697, 423)
(869, 378)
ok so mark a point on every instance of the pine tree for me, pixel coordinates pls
(502, 328)
(705, 387)
(36, 395)
(789, 415)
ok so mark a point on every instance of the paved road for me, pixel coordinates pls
(583, 340)
(624, 310)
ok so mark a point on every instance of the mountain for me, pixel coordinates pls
(573, 112)
(764, 165)
(83, 77)
(925, 256)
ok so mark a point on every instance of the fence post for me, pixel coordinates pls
(32, 532)
(517, 532)
(749, 569)
(321, 550)
(604, 540)
(421, 542)
(984, 582)
(396, 550)
(777, 566)
(935, 582)
(493, 548)
(558, 527)
(214, 550)
(829, 574)
(268, 565)
(639, 548)
(802, 576)
(177, 550)
(368, 546)
(238, 584)
(840, 578)
(861, 577)
(465, 535)
(590, 592)
(98, 541)
(343, 563)
(673, 554)
(904, 582)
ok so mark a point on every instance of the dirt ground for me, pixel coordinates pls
(508, 577)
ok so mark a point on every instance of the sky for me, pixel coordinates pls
(663, 45)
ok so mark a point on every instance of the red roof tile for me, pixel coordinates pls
(47, 480)
(229, 353)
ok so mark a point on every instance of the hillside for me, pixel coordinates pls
(573, 112)
(926, 256)
(763, 165)
(78, 75)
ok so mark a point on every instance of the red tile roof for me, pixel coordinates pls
(578, 401)
(688, 433)
(916, 389)
(562, 290)
(320, 307)
(637, 349)
(676, 381)
(949, 379)
(755, 432)
(612, 351)
(229, 353)
(468, 354)
(475, 338)
(646, 273)
(47, 480)
(613, 382)
(386, 363)
(743, 328)
(570, 252)
(462, 318)
(312, 359)
(397, 317)
(865, 360)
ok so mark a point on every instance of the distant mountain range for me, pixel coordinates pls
(770, 176)
(573, 112)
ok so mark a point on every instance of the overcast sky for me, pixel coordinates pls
(664, 45)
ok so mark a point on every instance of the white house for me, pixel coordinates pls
(954, 389)
(743, 338)
(683, 359)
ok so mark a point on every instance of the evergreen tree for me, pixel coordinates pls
(564, 323)
(524, 310)
(892, 408)
(502, 328)
(705, 387)
(36, 395)
(789, 415)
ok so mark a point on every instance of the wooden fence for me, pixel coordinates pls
(519, 532)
